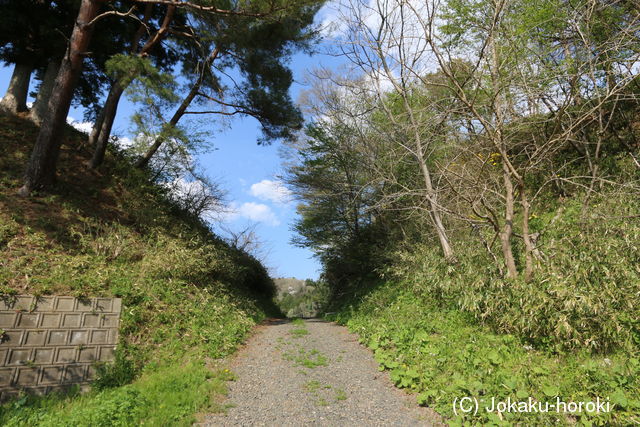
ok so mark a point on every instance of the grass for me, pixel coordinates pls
(323, 402)
(324, 393)
(442, 354)
(299, 333)
(313, 362)
(340, 395)
(307, 358)
(187, 295)
(313, 386)
(572, 332)
(168, 396)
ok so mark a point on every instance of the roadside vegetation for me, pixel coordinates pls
(471, 190)
(100, 215)
(188, 297)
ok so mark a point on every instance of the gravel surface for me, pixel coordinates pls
(321, 377)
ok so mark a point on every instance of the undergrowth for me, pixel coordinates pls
(446, 331)
(168, 396)
(444, 354)
(185, 292)
(584, 292)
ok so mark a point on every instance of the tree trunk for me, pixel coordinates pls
(144, 160)
(95, 130)
(434, 209)
(15, 100)
(526, 236)
(44, 93)
(135, 43)
(41, 170)
(507, 230)
(107, 118)
(101, 131)
(499, 110)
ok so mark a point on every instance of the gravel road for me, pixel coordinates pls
(316, 374)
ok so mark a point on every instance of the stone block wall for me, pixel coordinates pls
(52, 343)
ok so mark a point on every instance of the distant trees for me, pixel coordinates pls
(298, 298)
(149, 37)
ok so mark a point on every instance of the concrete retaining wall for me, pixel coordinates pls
(51, 343)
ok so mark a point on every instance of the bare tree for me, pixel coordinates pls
(381, 44)
(514, 106)
(528, 88)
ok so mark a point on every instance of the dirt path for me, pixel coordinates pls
(316, 373)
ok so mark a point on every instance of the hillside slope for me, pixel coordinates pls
(569, 335)
(188, 297)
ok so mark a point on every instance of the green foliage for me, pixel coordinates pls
(340, 395)
(187, 296)
(8, 230)
(442, 354)
(168, 396)
(307, 301)
(260, 49)
(299, 333)
(305, 358)
(579, 299)
(119, 373)
(313, 360)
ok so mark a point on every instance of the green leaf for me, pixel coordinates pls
(494, 357)
(412, 373)
(422, 398)
(422, 336)
(550, 390)
(510, 383)
(619, 399)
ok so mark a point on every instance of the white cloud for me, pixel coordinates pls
(81, 126)
(273, 191)
(257, 212)
(331, 22)
(124, 142)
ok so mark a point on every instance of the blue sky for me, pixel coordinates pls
(248, 173)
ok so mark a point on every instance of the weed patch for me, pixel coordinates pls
(297, 322)
(299, 333)
(186, 294)
(444, 354)
(169, 396)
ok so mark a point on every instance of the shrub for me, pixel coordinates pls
(581, 297)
